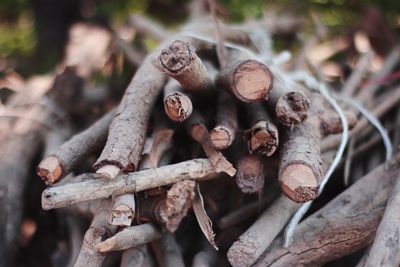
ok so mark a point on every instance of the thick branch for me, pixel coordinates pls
(343, 226)
(250, 174)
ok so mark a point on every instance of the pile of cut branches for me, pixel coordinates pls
(214, 127)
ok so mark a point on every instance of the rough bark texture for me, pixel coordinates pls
(128, 129)
(63, 160)
(343, 226)
(98, 231)
(123, 210)
(250, 174)
(199, 132)
(177, 105)
(386, 248)
(169, 210)
(251, 244)
(249, 80)
(300, 171)
(223, 134)
(94, 188)
(262, 137)
(130, 237)
(180, 61)
(289, 105)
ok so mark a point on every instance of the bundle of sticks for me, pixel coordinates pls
(212, 126)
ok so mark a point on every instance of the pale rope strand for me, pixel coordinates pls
(374, 121)
(313, 83)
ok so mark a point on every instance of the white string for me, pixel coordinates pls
(374, 121)
(311, 82)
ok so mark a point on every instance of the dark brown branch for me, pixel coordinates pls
(223, 134)
(62, 161)
(177, 104)
(262, 137)
(343, 226)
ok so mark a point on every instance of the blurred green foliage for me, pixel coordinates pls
(18, 35)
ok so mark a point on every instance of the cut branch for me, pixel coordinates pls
(130, 237)
(199, 132)
(94, 188)
(223, 134)
(247, 79)
(62, 161)
(262, 137)
(177, 105)
(180, 61)
(345, 225)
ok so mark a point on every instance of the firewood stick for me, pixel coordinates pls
(223, 134)
(97, 232)
(123, 148)
(381, 109)
(300, 171)
(384, 251)
(247, 79)
(180, 61)
(62, 161)
(130, 237)
(177, 105)
(168, 211)
(123, 210)
(343, 226)
(170, 252)
(289, 105)
(94, 188)
(137, 257)
(250, 174)
(199, 132)
(262, 137)
(148, 27)
(251, 244)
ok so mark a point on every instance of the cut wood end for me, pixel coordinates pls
(242, 253)
(107, 245)
(221, 137)
(176, 57)
(122, 215)
(263, 140)
(252, 81)
(178, 107)
(292, 108)
(298, 182)
(49, 170)
(109, 171)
